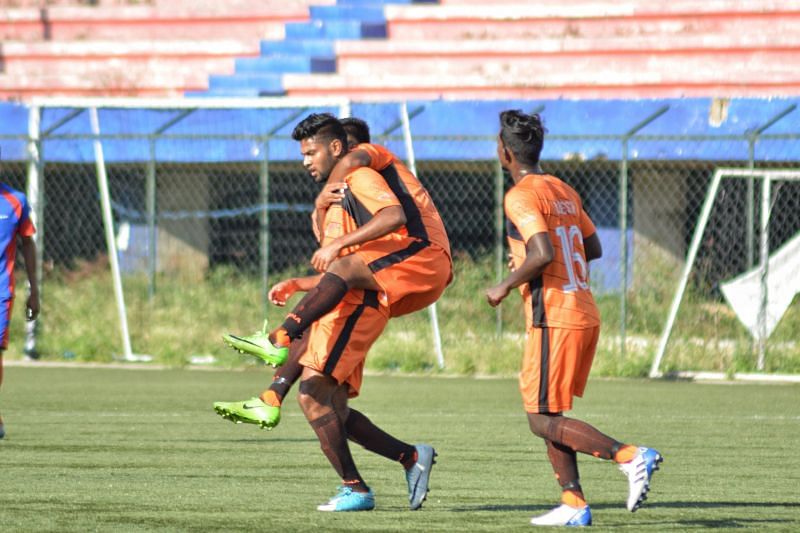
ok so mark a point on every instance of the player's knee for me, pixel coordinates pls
(312, 395)
(540, 424)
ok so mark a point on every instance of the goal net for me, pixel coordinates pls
(732, 311)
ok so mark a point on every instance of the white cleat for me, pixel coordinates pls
(564, 515)
(639, 472)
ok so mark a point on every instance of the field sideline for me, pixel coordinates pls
(123, 450)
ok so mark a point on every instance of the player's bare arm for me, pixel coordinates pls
(28, 250)
(592, 247)
(346, 165)
(539, 254)
(283, 290)
(384, 222)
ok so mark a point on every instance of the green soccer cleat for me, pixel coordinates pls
(252, 411)
(259, 345)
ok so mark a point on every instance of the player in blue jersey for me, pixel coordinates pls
(15, 225)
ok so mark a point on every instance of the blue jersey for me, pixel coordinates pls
(14, 221)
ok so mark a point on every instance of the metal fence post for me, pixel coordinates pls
(499, 218)
(150, 201)
(623, 222)
(263, 179)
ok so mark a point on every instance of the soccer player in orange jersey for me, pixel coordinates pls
(266, 409)
(404, 253)
(552, 240)
(340, 339)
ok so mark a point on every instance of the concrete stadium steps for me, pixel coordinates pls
(308, 47)
(141, 22)
(595, 20)
(158, 57)
(132, 82)
(686, 60)
(165, 48)
(597, 83)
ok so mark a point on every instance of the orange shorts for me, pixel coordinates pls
(339, 341)
(555, 367)
(413, 274)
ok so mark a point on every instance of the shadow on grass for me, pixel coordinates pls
(667, 505)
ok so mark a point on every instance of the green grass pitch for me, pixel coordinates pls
(142, 450)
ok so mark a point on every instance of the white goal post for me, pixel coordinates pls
(74, 107)
(767, 177)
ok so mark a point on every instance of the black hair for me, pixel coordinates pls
(357, 128)
(522, 135)
(322, 125)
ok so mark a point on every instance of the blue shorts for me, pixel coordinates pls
(5, 318)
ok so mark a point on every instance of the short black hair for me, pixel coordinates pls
(357, 128)
(322, 125)
(522, 135)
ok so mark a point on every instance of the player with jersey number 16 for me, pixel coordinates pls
(552, 239)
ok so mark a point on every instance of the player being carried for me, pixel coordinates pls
(390, 258)
(265, 410)
(552, 239)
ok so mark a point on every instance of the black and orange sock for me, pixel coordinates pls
(270, 398)
(574, 434)
(625, 453)
(572, 495)
(288, 374)
(361, 430)
(315, 304)
(333, 441)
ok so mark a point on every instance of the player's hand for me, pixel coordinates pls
(32, 307)
(282, 291)
(496, 294)
(511, 262)
(326, 255)
(331, 193)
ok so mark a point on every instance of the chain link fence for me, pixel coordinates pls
(205, 222)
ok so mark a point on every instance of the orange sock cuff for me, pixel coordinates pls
(573, 499)
(270, 398)
(626, 454)
(279, 337)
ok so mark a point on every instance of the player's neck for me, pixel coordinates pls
(524, 170)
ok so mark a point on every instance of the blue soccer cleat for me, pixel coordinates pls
(419, 475)
(639, 472)
(2, 430)
(349, 500)
(564, 515)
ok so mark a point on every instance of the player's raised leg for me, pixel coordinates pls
(637, 463)
(265, 411)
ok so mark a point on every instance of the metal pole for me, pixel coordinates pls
(150, 191)
(766, 200)
(35, 193)
(108, 223)
(263, 176)
(750, 207)
(623, 227)
(499, 218)
(412, 165)
(623, 222)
